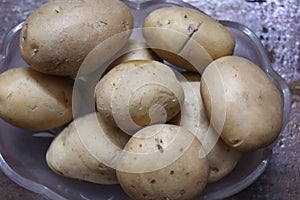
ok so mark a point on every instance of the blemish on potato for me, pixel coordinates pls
(159, 147)
(215, 169)
(181, 150)
(24, 37)
(9, 95)
(172, 172)
(153, 181)
(101, 22)
(245, 96)
(182, 191)
(35, 50)
(235, 142)
(132, 187)
(57, 10)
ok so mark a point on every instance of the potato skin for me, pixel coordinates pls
(252, 104)
(35, 101)
(136, 50)
(138, 93)
(58, 36)
(147, 170)
(87, 149)
(186, 37)
(222, 159)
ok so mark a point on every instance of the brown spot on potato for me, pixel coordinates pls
(35, 50)
(171, 172)
(235, 142)
(159, 147)
(182, 191)
(132, 187)
(153, 181)
(57, 10)
(215, 169)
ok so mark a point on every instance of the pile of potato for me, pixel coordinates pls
(160, 132)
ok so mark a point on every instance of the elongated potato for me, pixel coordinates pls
(58, 36)
(186, 37)
(138, 93)
(87, 149)
(252, 106)
(162, 162)
(35, 101)
(222, 159)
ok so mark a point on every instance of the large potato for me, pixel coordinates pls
(35, 101)
(58, 36)
(138, 93)
(162, 162)
(186, 37)
(87, 149)
(222, 159)
(252, 106)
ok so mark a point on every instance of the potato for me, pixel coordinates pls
(58, 36)
(222, 159)
(138, 93)
(87, 149)
(136, 50)
(162, 162)
(248, 102)
(35, 101)
(186, 37)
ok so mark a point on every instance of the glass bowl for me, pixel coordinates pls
(22, 153)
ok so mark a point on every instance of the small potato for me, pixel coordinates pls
(87, 149)
(162, 162)
(222, 159)
(186, 37)
(136, 50)
(242, 103)
(58, 36)
(35, 101)
(138, 93)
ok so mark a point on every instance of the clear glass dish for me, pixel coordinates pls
(22, 154)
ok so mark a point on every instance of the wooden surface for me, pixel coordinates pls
(276, 23)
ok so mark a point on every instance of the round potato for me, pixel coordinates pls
(162, 162)
(87, 149)
(35, 101)
(138, 93)
(186, 37)
(251, 104)
(222, 159)
(58, 36)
